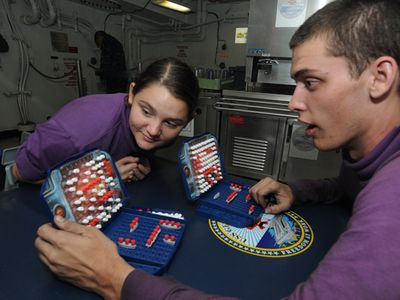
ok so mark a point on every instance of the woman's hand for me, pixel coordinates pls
(133, 168)
(83, 256)
(267, 187)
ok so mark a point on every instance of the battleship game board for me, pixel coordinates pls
(87, 189)
(203, 175)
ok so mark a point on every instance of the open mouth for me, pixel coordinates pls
(310, 130)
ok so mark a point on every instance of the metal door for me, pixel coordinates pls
(252, 132)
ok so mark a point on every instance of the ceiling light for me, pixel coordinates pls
(172, 5)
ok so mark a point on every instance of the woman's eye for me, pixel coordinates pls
(145, 111)
(171, 124)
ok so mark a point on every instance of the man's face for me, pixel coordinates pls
(156, 116)
(328, 99)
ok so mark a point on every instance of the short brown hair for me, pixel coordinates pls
(359, 30)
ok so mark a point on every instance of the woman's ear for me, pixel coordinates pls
(194, 114)
(385, 74)
(130, 94)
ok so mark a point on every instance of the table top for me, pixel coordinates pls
(202, 260)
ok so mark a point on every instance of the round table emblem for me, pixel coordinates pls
(277, 236)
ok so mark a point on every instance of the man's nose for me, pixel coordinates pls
(297, 102)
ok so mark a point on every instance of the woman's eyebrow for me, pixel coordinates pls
(145, 103)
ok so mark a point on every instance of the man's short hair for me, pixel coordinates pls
(359, 30)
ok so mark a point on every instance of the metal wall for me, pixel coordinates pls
(269, 32)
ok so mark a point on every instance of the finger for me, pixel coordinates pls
(41, 245)
(255, 189)
(264, 188)
(44, 260)
(47, 252)
(274, 209)
(261, 194)
(126, 168)
(145, 161)
(126, 175)
(46, 231)
(138, 174)
(144, 169)
(128, 159)
(260, 202)
(281, 206)
(70, 226)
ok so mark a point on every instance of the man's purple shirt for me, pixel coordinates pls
(365, 261)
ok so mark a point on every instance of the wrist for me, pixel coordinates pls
(116, 279)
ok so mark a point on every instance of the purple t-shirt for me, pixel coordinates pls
(95, 121)
(365, 261)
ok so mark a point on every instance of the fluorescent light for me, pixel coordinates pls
(172, 5)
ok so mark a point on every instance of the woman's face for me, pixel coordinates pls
(156, 116)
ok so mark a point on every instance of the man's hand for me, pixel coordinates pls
(133, 168)
(83, 256)
(268, 186)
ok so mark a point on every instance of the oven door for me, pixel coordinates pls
(252, 132)
(302, 160)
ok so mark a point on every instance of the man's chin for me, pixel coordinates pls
(323, 146)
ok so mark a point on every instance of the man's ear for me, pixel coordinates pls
(385, 76)
(130, 94)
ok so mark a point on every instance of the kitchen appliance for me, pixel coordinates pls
(260, 136)
(253, 127)
(271, 25)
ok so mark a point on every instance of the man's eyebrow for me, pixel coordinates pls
(300, 73)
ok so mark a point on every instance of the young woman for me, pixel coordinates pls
(129, 127)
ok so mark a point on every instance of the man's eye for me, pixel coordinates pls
(311, 83)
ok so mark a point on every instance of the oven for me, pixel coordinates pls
(252, 132)
(259, 136)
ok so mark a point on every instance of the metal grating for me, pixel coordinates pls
(103, 4)
(250, 154)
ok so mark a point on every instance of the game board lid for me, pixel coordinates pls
(200, 165)
(87, 183)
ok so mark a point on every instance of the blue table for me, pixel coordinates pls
(202, 261)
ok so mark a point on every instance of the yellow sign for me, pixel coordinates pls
(241, 35)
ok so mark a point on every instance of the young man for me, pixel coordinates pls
(346, 66)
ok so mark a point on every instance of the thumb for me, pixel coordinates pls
(274, 209)
(131, 159)
(67, 225)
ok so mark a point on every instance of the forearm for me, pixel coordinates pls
(140, 285)
(316, 191)
(18, 177)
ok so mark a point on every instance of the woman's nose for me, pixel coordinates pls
(154, 128)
